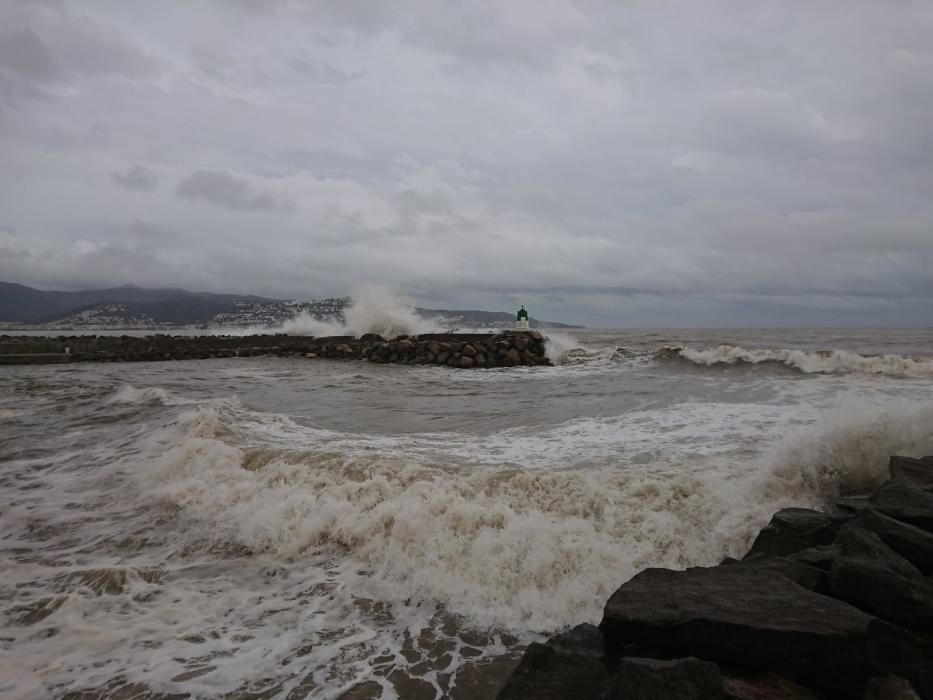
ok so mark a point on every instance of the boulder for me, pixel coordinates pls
(653, 679)
(513, 357)
(738, 616)
(890, 688)
(767, 686)
(874, 577)
(853, 504)
(893, 651)
(818, 557)
(793, 530)
(901, 500)
(917, 472)
(912, 543)
(466, 362)
(469, 350)
(803, 574)
(569, 666)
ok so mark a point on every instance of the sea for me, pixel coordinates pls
(253, 528)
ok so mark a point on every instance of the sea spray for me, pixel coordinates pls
(372, 309)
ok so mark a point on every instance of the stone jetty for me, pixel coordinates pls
(835, 604)
(459, 350)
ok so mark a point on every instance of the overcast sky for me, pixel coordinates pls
(612, 163)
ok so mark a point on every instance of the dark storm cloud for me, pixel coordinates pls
(225, 190)
(667, 162)
(138, 178)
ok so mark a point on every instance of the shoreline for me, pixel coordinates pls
(835, 604)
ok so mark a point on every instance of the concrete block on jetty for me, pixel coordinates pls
(458, 350)
(835, 604)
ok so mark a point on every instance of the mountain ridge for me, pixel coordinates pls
(137, 307)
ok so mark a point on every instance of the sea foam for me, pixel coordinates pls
(808, 362)
(527, 549)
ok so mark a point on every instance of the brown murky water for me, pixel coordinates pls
(263, 528)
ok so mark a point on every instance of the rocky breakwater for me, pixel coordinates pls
(508, 349)
(460, 350)
(835, 604)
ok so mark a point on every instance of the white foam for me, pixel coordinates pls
(129, 394)
(529, 549)
(558, 347)
(809, 362)
(528, 530)
(372, 310)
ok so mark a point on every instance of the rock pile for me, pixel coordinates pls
(466, 350)
(500, 350)
(825, 605)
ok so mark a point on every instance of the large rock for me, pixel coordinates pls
(894, 651)
(890, 688)
(767, 686)
(912, 543)
(902, 500)
(818, 557)
(792, 530)
(570, 666)
(653, 679)
(736, 615)
(803, 574)
(918, 472)
(874, 577)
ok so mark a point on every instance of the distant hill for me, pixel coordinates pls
(134, 307)
(22, 304)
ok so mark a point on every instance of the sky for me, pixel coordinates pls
(602, 162)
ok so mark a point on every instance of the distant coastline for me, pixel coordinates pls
(131, 308)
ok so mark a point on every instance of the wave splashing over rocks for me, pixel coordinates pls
(372, 310)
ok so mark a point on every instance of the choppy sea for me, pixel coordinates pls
(289, 528)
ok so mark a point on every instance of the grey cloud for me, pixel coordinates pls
(25, 54)
(138, 178)
(322, 72)
(51, 44)
(90, 48)
(225, 190)
(663, 162)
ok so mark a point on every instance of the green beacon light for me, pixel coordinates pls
(521, 320)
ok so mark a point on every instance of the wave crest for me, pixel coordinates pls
(808, 362)
(532, 549)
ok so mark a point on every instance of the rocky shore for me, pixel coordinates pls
(460, 350)
(835, 604)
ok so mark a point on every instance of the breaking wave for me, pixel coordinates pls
(372, 310)
(528, 549)
(808, 362)
(563, 349)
